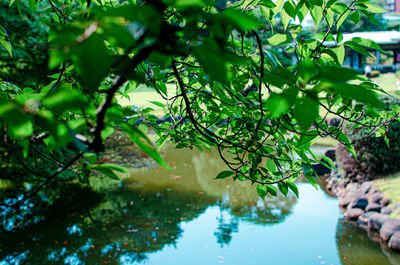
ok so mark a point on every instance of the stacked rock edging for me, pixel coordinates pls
(368, 207)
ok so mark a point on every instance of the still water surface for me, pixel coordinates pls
(160, 217)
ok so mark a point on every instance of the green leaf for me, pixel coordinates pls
(290, 9)
(294, 188)
(113, 167)
(336, 74)
(367, 43)
(374, 8)
(371, 18)
(130, 86)
(93, 61)
(307, 137)
(312, 181)
(90, 157)
(306, 111)
(355, 16)
(272, 190)
(65, 99)
(211, 58)
(357, 47)
(4, 42)
(267, 3)
(386, 139)
(225, 174)
(162, 60)
(294, 30)
(328, 160)
(359, 93)
(271, 165)
(18, 129)
(316, 13)
(339, 37)
(262, 190)
(240, 20)
(158, 104)
(301, 10)
(342, 19)
(277, 105)
(279, 39)
(106, 171)
(347, 143)
(285, 18)
(340, 53)
(332, 54)
(33, 4)
(283, 187)
(143, 142)
(190, 3)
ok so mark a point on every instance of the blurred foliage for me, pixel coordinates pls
(376, 153)
(27, 34)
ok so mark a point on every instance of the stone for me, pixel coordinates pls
(373, 207)
(331, 153)
(334, 175)
(363, 219)
(352, 187)
(320, 169)
(353, 213)
(389, 228)
(366, 186)
(387, 210)
(394, 242)
(360, 201)
(373, 190)
(377, 197)
(385, 202)
(376, 220)
(335, 122)
(345, 201)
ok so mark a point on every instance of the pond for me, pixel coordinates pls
(183, 216)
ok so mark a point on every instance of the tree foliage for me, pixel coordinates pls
(213, 63)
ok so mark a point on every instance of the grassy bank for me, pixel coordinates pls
(390, 186)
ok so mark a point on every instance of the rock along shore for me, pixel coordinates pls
(368, 207)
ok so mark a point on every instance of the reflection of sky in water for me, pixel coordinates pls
(73, 260)
(308, 233)
(14, 259)
(74, 230)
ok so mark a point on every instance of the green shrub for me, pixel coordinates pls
(374, 157)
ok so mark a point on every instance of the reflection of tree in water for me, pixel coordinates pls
(141, 216)
(355, 247)
(121, 230)
(239, 196)
(227, 224)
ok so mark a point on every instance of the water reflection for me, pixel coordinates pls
(142, 215)
(157, 216)
(356, 246)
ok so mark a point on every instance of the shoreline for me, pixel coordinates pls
(365, 205)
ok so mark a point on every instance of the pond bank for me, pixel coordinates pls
(367, 205)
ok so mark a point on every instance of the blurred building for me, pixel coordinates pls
(389, 41)
(392, 5)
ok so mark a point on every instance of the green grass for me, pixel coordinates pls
(390, 186)
(326, 141)
(142, 97)
(387, 81)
